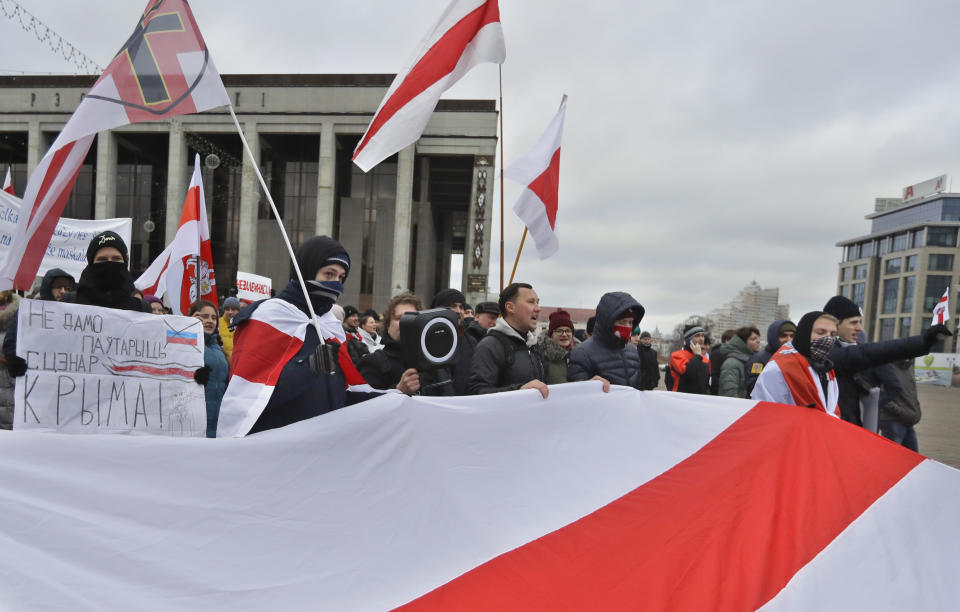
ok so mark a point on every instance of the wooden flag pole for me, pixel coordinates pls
(517, 260)
(502, 162)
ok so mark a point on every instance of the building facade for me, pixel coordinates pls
(401, 222)
(898, 272)
(752, 306)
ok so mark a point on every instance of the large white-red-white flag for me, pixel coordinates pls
(941, 310)
(539, 171)
(8, 183)
(468, 33)
(184, 270)
(163, 70)
(582, 501)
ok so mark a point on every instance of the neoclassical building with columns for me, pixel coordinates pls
(402, 222)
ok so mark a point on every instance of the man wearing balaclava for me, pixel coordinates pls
(105, 282)
(800, 372)
(281, 371)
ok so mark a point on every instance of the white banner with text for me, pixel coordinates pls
(100, 370)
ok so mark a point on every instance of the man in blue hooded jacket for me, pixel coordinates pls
(779, 333)
(608, 352)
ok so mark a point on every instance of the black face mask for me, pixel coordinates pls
(107, 284)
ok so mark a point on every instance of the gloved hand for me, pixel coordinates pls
(935, 333)
(16, 366)
(202, 375)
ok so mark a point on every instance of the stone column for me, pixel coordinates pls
(105, 202)
(249, 201)
(403, 221)
(476, 257)
(35, 145)
(325, 180)
(176, 178)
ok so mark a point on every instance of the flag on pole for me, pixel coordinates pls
(468, 33)
(941, 310)
(8, 183)
(164, 69)
(584, 501)
(184, 270)
(539, 171)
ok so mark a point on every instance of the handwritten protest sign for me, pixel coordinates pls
(253, 287)
(68, 245)
(99, 370)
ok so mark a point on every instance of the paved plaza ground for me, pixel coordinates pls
(939, 428)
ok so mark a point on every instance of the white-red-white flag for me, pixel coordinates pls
(941, 310)
(8, 183)
(163, 70)
(585, 500)
(468, 33)
(539, 170)
(184, 270)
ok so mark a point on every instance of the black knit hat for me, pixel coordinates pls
(318, 252)
(842, 308)
(104, 240)
(446, 298)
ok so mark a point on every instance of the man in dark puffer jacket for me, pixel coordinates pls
(607, 352)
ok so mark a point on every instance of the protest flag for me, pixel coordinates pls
(184, 270)
(539, 171)
(468, 33)
(941, 310)
(163, 70)
(8, 183)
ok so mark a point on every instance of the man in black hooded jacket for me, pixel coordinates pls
(608, 352)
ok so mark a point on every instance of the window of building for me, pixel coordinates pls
(845, 291)
(905, 323)
(916, 238)
(859, 294)
(909, 289)
(883, 246)
(851, 252)
(845, 274)
(866, 250)
(891, 287)
(951, 210)
(941, 262)
(900, 242)
(942, 236)
(894, 265)
(910, 263)
(936, 285)
(860, 271)
(888, 328)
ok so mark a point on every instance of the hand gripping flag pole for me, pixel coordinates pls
(283, 232)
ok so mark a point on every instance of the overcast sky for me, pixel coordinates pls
(707, 144)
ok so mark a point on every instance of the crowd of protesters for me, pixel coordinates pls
(822, 362)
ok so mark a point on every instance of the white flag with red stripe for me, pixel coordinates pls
(468, 33)
(163, 70)
(184, 270)
(539, 171)
(262, 346)
(583, 501)
(941, 310)
(8, 183)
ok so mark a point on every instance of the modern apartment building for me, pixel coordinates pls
(898, 271)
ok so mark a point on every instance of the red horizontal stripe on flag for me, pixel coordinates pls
(177, 340)
(260, 351)
(436, 63)
(725, 529)
(155, 371)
